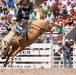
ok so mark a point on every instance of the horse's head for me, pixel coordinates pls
(5, 48)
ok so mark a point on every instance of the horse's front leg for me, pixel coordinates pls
(6, 62)
(13, 55)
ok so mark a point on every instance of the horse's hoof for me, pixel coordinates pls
(9, 66)
(4, 65)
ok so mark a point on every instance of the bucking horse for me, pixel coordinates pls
(11, 45)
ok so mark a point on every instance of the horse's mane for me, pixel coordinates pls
(9, 36)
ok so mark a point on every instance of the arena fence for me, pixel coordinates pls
(40, 55)
(36, 56)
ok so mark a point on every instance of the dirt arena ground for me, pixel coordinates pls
(37, 71)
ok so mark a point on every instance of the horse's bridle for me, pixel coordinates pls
(8, 55)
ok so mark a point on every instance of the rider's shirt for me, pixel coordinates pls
(25, 13)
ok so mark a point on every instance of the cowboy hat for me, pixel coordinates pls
(71, 39)
(66, 40)
(59, 41)
(48, 36)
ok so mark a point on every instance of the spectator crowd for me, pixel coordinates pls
(12, 13)
(59, 11)
(55, 11)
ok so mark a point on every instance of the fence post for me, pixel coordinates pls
(74, 56)
(51, 56)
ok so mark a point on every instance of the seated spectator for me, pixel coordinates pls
(5, 11)
(13, 20)
(56, 10)
(68, 7)
(59, 18)
(11, 11)
(61, 29)
(1, 11)
(69, 20)
(73, 10)
(2, 3)
(50, 2)
(49, 17)
(56, 20)
(39, 40)
(44, 5)
(6, 24)
(72, 1)
(47, 10)
(33, 16)
(9, 17)
(64, 12)
(48, 39)
(64, 2)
